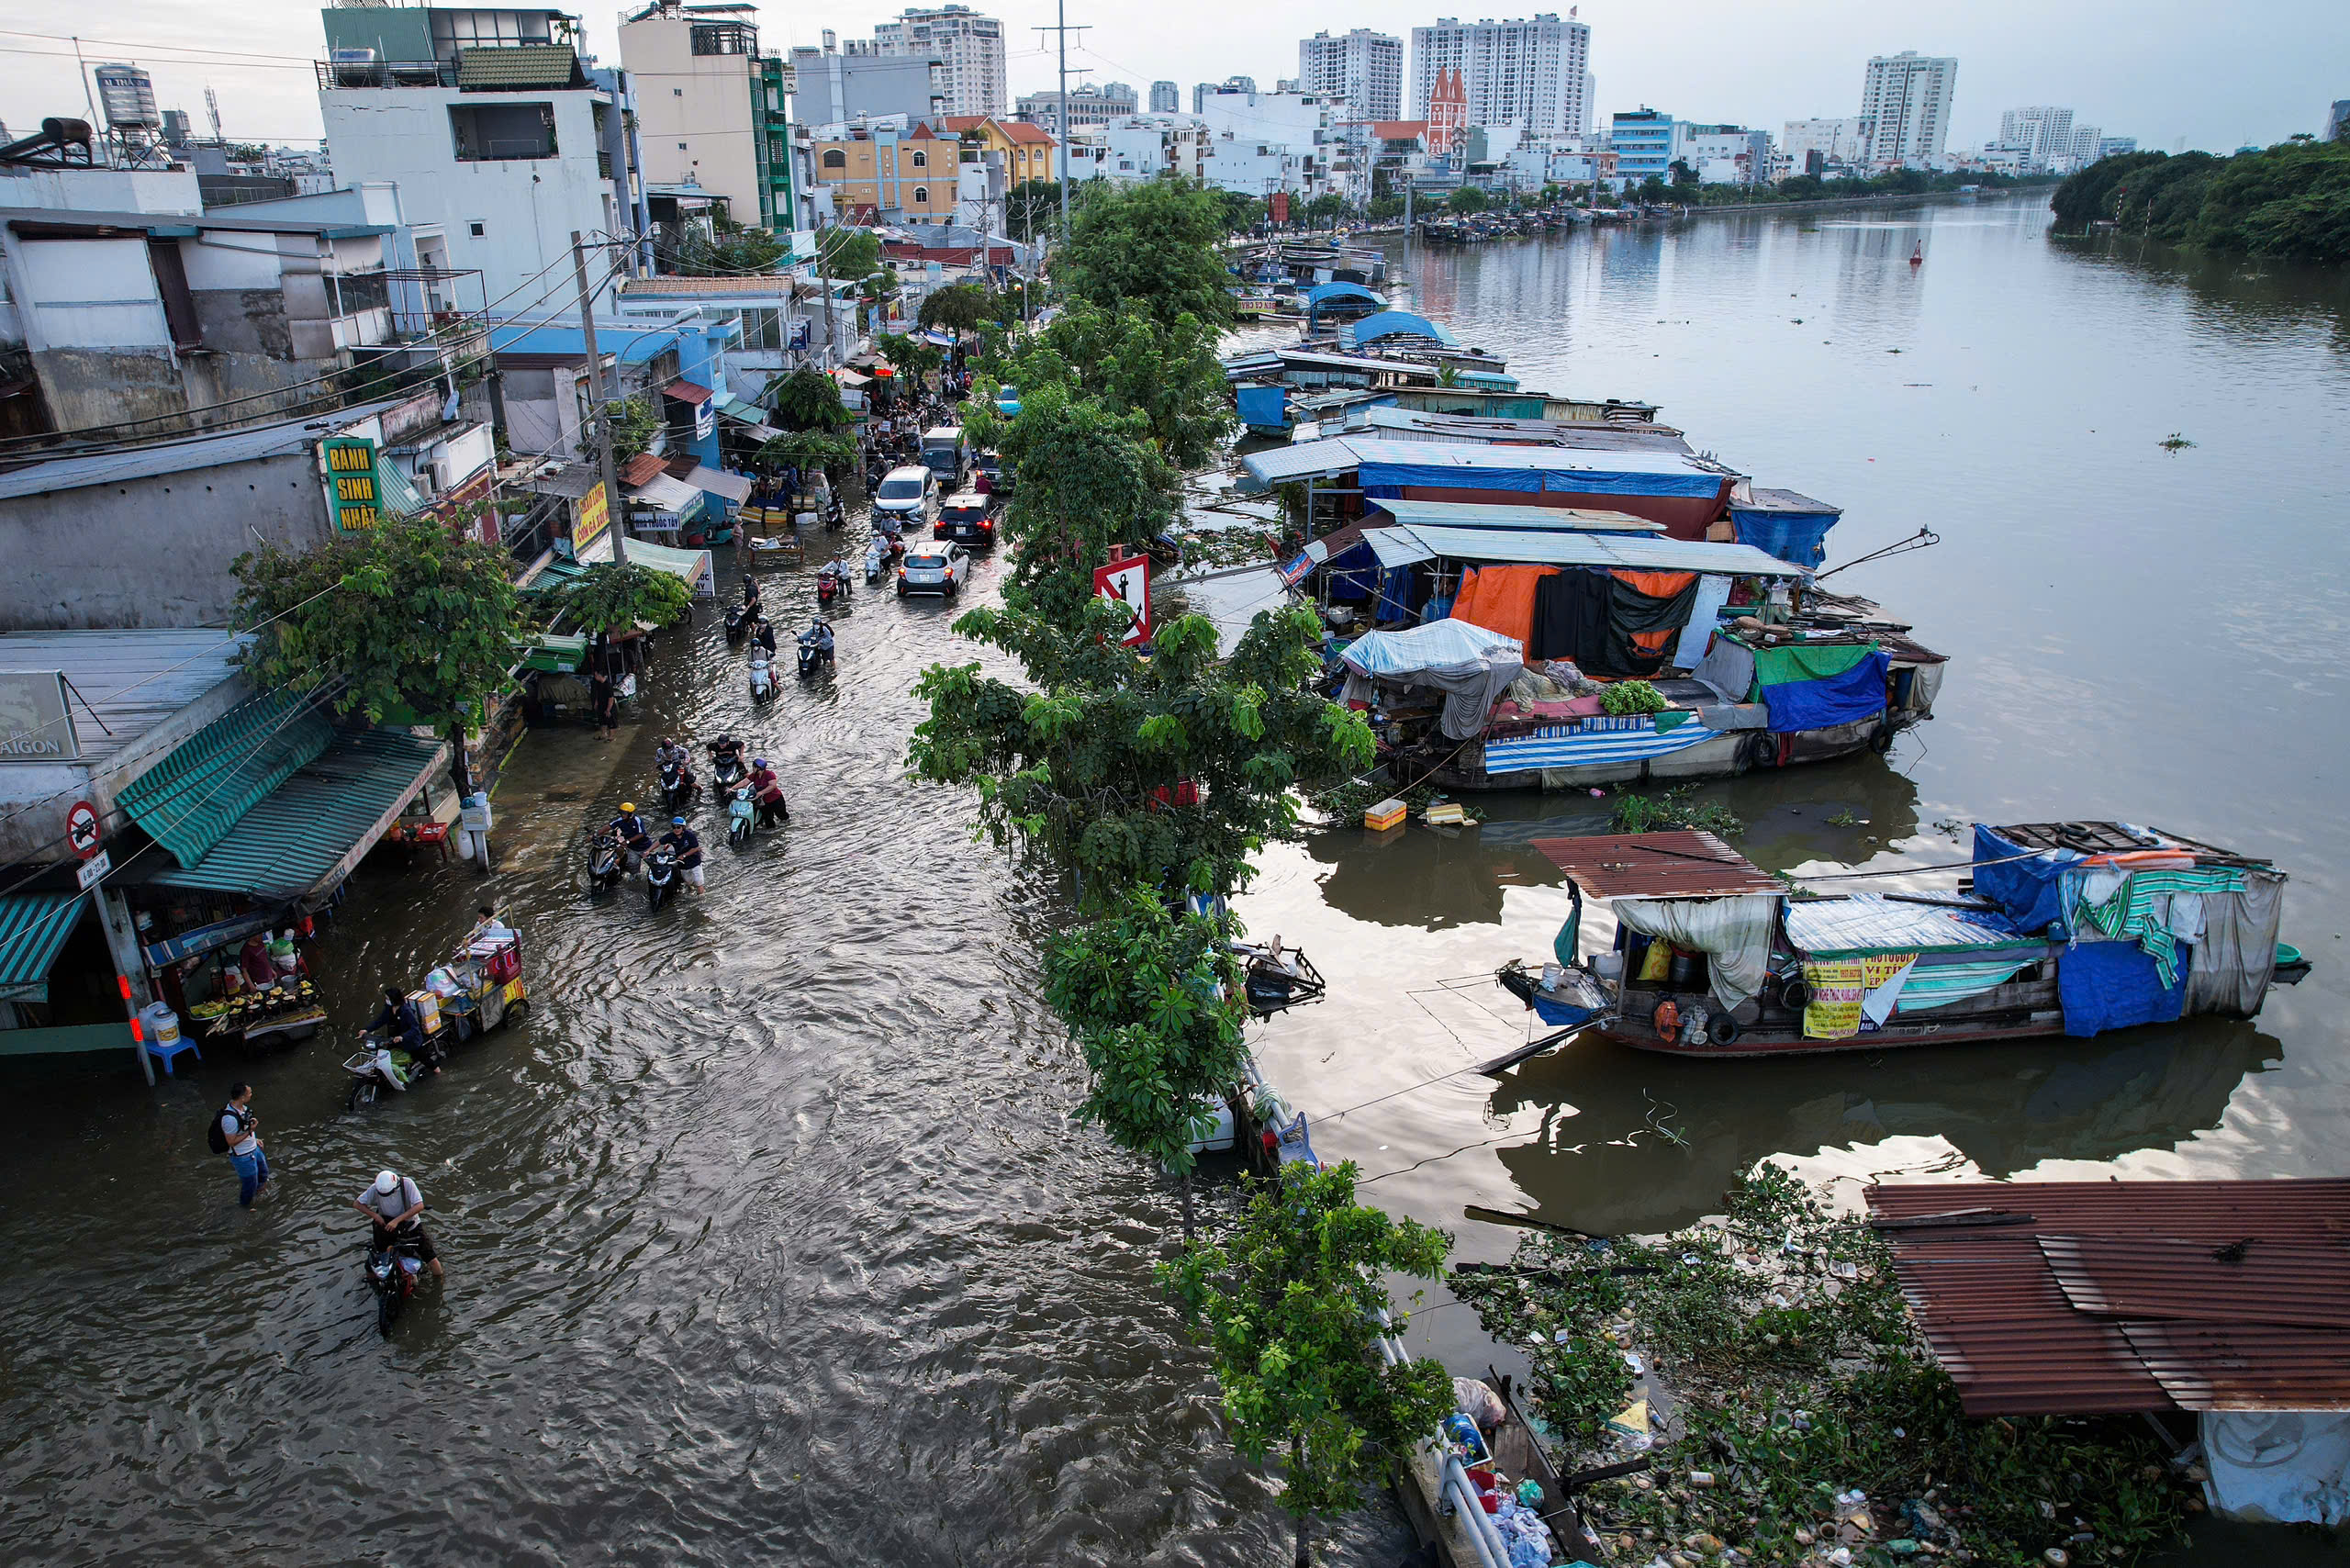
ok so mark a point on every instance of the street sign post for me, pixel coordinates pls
(1128, 580)
(93, 868)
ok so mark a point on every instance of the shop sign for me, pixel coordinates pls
(595, 516)
(705, 419)
(351, 483)
(35, 725)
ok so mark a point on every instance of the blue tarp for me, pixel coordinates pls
(2112, 985)
(1321, 293)
(1264, 407)
(1396, 324)
(1800, 537)
(1856, 694)
(2030, 893)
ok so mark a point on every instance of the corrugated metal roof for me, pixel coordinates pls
(1765, 499)
(1337, 455)
(2094, 1297)
(640, 468)
(134, 678)
(571, 481)
(517, 65)
(1509, 519)
(190, 800)
(1685, 863)
(181, 223)
(1413, 424)
(304, 830)
(284, 440)
(1608, 552)
(33, 928)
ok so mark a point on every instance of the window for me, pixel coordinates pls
(681, 147)
(498, 132)
(362, 291)
(834, 158)
(476, 228)
(676, 92)
(922, 159)
(922, 196)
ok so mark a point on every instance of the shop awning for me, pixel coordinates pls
(727, 487)
(664, 494)
(305, 834)
(749, 415)
(33, 929)
(686, 391)
(851, 378)
(693, 565)
(190, 800)
(552, 652)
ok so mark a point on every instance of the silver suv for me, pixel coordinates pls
(939, 568)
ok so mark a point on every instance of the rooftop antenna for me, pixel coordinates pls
(212, 108)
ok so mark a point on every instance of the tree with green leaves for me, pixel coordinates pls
(637, 425)
(1291, 1304)
(852, 254)
(1149, 991)
(807, 400)
(1033, 207)
(732, 254)
(835, 453)
(909, 356)
(610, 596)
(1130, 362)
(1652, 189)
(960, 308)
(1152, 245)
(1468, 198)
(413, 617)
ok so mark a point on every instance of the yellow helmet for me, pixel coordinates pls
(629, 806)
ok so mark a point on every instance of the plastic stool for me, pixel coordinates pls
(166, 1053)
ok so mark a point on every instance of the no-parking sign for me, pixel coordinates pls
(1128, 582)
(82, 829)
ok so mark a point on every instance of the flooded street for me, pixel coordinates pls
(768, 1237)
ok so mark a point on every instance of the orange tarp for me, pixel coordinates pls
(1501, 598)
(1656, 584)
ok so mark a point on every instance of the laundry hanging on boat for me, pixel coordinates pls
(1705, 615)
(1571, 618)
(2143, 906)
(1644, 610)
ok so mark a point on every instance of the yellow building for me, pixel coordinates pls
(887, 172)
(1028, 149)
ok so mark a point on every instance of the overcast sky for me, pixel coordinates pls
(2169, 72)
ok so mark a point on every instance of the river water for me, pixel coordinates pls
(768, 1236)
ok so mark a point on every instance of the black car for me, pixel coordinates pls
(967, 519)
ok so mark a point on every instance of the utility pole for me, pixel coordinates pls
(1061, 29)
(599, 405)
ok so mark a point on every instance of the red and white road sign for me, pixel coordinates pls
(82, 829)
(1128, 582)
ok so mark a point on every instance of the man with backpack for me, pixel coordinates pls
(235, 1132)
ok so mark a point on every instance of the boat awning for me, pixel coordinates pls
(190, 800)
(1871, 923)
(1403, 544)
(686, 391)
(727, 487)
(1397, 324)
(33, 929)
(1509, 519)
(1323, 293)
(664, 494)
(305, 834)
(1683, 864)
(692, 566)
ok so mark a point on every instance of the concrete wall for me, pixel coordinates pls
(152, 552)
(702, 101)
(103, 190)
(527, 207)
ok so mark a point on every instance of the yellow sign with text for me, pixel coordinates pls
(595, 516)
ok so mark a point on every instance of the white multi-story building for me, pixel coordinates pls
(1535, 75)
(2042, 131)
(1257, 143)
(1840, 140)
(1201, 92)
(1361, 68)
(1166, 98)
(1088, 105)
(1723, 154)
(1907, 97)
(2087, 139)
(968, 47)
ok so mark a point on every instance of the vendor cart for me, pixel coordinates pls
(480, 988)
(280, 1014)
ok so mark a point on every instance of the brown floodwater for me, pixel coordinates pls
(769, 1237)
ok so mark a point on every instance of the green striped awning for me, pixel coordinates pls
(313, 827)
(33, 929)
(188, 802)
(397, 490)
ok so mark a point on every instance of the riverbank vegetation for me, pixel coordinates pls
(2290, 201)
(1808, 1417)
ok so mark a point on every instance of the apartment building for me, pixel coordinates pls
(890, 174)
(1088, 105)
(711, 110)
(968, 47)
(1534, 74)
(1362, 69)
(1906, 99)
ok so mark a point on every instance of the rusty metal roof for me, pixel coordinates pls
(2099, 1298)
(1683, 864)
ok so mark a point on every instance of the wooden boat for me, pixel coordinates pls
(2062, 928)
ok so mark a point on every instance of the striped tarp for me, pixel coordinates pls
(1569, 745)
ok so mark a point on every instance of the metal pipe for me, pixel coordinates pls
(1491, 1553)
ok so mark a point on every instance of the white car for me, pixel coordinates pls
(907, 498)
(940, 567)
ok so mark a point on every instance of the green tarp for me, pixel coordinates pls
(1776, 667)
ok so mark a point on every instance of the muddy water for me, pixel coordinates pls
(768, 1237)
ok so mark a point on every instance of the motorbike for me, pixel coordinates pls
(832, 582)
(678, 788)
(877, 560)
(605, 857)
(762, 677)
(391, 1274)
(742, 818)
(660, 875)
(738, 624)
(834, 513)
(815, 654)
(727, 770)
(377, 1070)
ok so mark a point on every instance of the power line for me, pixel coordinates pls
(120, 43)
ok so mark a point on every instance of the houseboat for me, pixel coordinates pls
(2071, 928)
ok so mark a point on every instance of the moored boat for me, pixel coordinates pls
(2061, 928)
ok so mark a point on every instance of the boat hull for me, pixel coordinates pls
(1725, 755)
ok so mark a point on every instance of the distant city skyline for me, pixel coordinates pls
(2165, 78)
